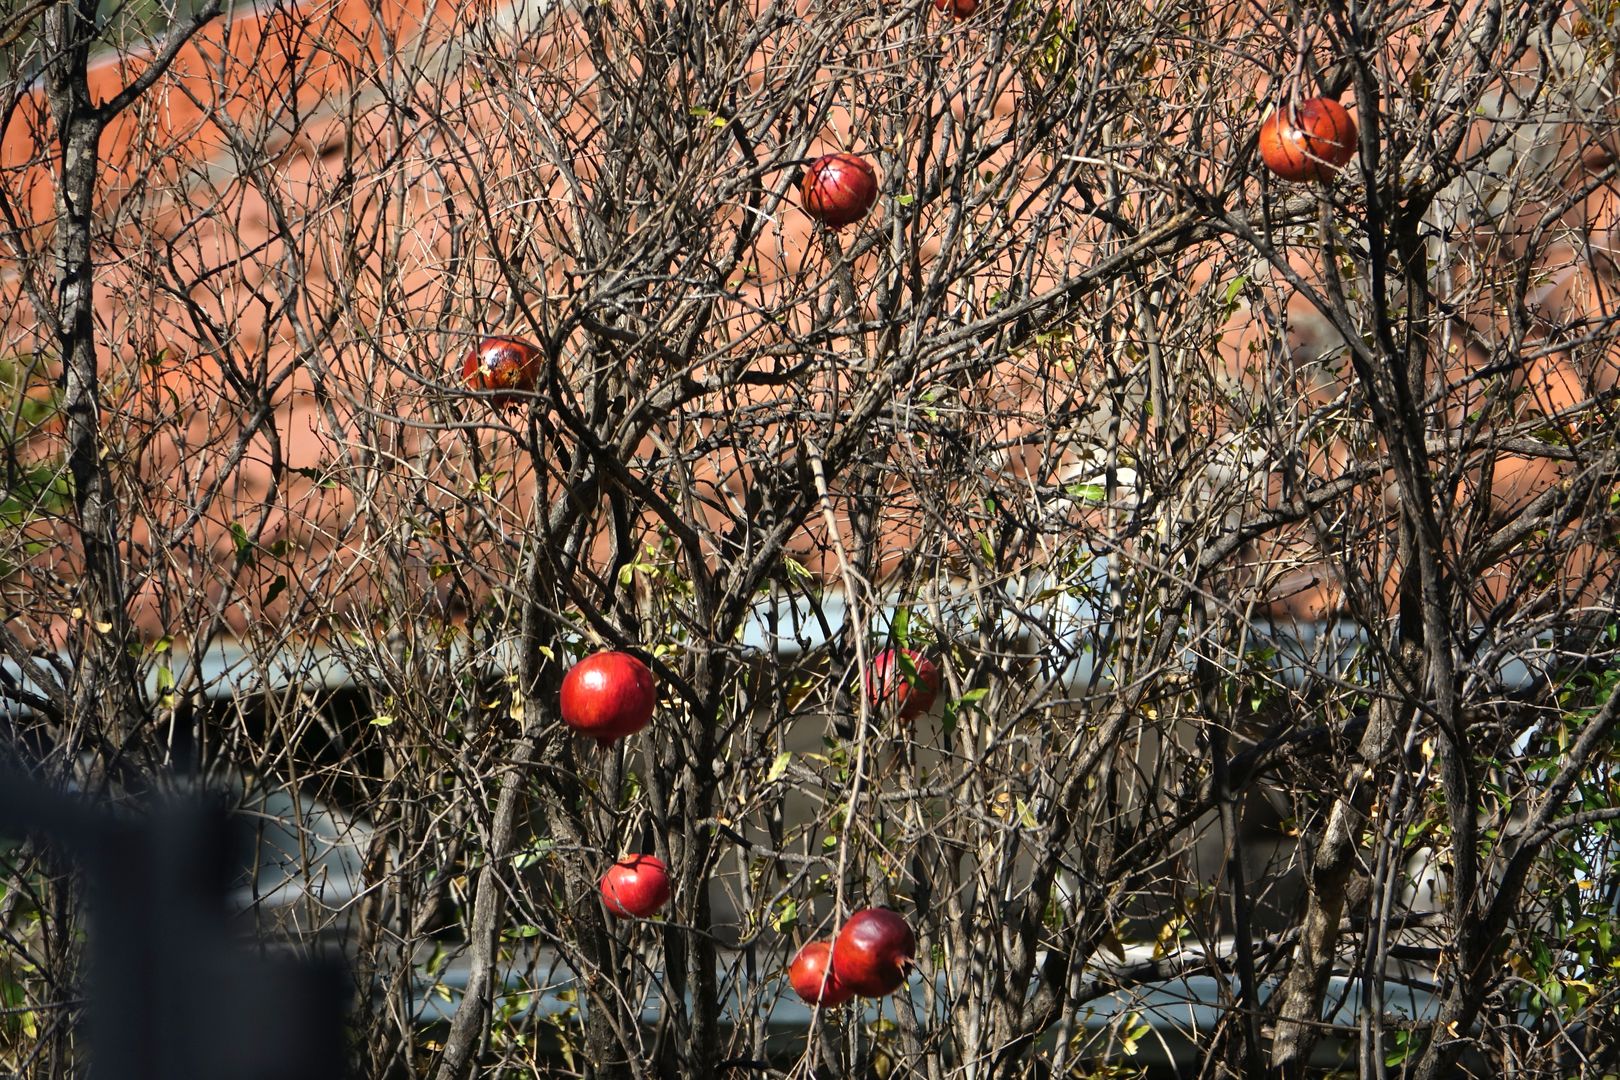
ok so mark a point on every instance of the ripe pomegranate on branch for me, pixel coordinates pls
(838, 189)
(813, 979)
(1308, 141)
(608, 695)
(904, 680)
(636, 886)
(507, 365)
(873, 952)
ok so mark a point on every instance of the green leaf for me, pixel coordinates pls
(38, 491)
(314, 474)
(1091, 493)
(786, 915)
(1026, 816)
(165, 688)
(1134, 1032)
(244, 546)
(779, 767)
(536, 850)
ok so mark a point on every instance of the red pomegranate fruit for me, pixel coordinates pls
(873, 952)
(959, 9)
(636, 885)
(887, 684)
(812, 977)
(502, 364)
(838, 189)
(1309, 141)
(608, 695)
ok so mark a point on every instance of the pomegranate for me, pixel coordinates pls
(887, 683)
(1309, 141)
(500, 364)
(960, 9)
(873, 951)
(838, 189)
(812, 977)
(636, 885)
(608, 695)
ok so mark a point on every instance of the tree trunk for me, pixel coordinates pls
(1333, 863)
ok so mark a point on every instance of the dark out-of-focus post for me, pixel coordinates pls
(174, 993)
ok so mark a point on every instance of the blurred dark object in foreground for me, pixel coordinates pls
(173, 992)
